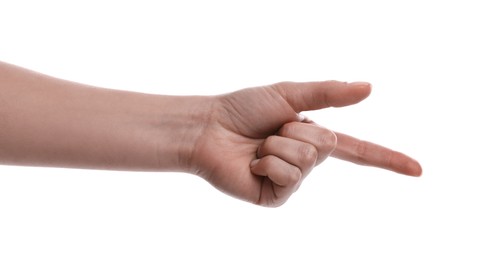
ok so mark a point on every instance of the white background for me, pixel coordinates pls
(419, 55)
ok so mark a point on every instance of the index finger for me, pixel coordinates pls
(365, 153)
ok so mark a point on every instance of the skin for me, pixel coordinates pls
(251, 144)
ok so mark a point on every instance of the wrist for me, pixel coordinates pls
(177, 125)
(52, 122)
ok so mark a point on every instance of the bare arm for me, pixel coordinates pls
(46, 121)
(251, 144)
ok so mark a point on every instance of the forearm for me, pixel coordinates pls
(46, 121)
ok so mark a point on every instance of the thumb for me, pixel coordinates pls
(317, 95)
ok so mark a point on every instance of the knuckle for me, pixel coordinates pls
(294, 175)
(328, 141)
(308, 154)
(280, 87)
(282, 84)
(361, 151)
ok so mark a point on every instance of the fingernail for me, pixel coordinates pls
(254, 162)
(304, 119)
(359, 83)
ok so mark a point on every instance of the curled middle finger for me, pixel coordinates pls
(302, 155)
(324, 140)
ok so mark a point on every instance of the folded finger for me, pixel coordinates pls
(321, 138)
(277, 170)
(302, 155)
(282, 179)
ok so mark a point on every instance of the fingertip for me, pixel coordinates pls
(254, 163)
(348, 94)
(415, 169)
(363, 87)
(411, 168)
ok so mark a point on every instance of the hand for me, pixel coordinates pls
(251, 144)
(256, 147)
